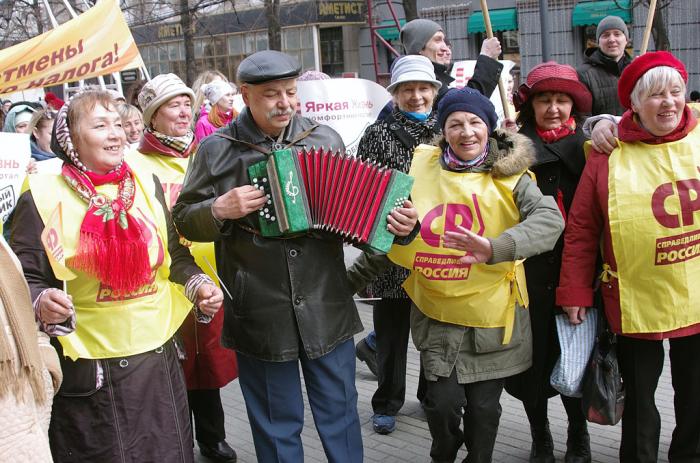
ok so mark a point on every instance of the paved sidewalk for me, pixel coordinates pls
(411, 440)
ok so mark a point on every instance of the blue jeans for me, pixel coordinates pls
(275, 405)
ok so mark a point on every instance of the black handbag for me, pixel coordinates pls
(603, 393)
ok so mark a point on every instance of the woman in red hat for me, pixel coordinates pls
(550, 105)
(642, 201)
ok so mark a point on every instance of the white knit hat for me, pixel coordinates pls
(160, 89)
(215, 90)
(412, 68)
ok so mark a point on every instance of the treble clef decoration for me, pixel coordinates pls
(291, 189)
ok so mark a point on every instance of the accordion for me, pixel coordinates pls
(320, 189)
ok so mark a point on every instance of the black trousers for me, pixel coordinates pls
(447, 404)
(641, 363)
(392, 326)
(537, 411)
(208, 413)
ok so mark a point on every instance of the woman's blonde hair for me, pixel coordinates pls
(655, 80)
(200, 82)
(127, 111)
(40, 118)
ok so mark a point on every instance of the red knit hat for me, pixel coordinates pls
(639, 66)
(554, 77)
(53, 101)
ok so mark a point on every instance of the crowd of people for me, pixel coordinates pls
(165, 289)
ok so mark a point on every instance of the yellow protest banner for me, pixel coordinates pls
(52, 239)
(96, 43)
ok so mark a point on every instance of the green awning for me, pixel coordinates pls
(390, 33)
(590, 13)
(501, 20)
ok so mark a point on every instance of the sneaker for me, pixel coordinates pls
(367, 355)
(383, 424)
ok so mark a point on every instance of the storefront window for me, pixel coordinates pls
(332, 62)
(224, 53)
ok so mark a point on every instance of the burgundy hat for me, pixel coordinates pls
(554, 77)
(639, 66)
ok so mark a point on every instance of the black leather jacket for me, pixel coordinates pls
(287, 293)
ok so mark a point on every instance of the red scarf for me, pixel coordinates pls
(553, 135)
(112, 246)
(630, 129)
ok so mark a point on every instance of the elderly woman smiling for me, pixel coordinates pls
(642, 199)
(115, 322)
(481, 213)
(165, 151)
(390, 142)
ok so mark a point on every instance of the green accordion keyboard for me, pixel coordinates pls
(320, 189)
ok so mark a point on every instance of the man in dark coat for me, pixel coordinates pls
(291, 303)
(603, 65)
(426, 37)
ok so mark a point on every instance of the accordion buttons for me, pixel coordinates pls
(293, 253)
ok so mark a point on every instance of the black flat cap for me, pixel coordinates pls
(268, 65)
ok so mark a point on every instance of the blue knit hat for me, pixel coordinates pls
(468, 100)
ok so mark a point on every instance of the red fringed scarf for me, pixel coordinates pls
(111, 247)
(553, 135)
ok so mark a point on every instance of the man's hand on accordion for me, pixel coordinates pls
(403, 219)
(238, 203)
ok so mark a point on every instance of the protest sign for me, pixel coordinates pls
(462, 71)
(52, 239)
(96, 43)
(349, 106)
(14, 158)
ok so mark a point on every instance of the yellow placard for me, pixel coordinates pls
(96, 43)
(52, 239)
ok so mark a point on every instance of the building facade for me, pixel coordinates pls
(572, 25)
(334, 36)
(322, 35)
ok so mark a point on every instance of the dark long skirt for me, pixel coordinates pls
(139, 414)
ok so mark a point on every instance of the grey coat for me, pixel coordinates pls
(478, 353)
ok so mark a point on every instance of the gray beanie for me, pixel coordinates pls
(611, 22)
(415, 34)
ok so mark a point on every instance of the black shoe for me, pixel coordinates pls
(542, 450)
(578, 444)
(219, 452)
(367, 355)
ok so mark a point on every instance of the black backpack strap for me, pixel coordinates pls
(404, 137)
(300, 136)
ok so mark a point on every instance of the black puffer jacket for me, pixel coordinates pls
(284, 290)
(382, 142)
(600, 74)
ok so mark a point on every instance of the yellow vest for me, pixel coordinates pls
(444, 289)
(107, 327)
(171, 173)
(653, 200)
